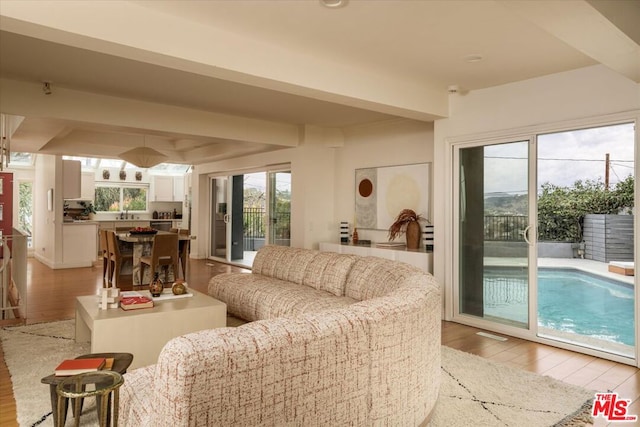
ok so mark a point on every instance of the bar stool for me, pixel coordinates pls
(164, 253)
(116, 257)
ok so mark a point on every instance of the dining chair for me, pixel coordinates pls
(183, 249)
(117, 257)
(164, 253)
(106, 257)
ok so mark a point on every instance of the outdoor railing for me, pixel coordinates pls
(505, 228)
(255, 227)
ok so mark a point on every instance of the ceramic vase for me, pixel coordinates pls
(156, 286)
(413, 233)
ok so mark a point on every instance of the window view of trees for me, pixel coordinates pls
(255, 210)
(561, 210)
(597, 181)
(25, 209)
(114, 199)
(135, 199)
(107, 199)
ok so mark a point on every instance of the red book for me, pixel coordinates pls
(79, 366)
(133, 303)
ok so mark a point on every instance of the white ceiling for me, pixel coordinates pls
(420, 44)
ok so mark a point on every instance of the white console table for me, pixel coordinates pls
(418, 258)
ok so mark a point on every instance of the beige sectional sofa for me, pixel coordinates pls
(333, 340)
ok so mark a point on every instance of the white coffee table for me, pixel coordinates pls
(144, 332)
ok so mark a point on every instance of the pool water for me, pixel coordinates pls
(572, 301)
(569, 300)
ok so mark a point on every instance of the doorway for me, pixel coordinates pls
(531, 257)
(249, 211)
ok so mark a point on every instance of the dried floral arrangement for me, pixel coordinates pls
(399, 226)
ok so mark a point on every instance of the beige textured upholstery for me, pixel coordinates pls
(313, 358)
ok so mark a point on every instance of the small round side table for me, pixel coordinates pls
(100, 384)
(121, 362)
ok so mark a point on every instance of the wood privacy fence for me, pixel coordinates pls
(608, 237)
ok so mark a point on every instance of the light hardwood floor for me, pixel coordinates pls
(51, 296)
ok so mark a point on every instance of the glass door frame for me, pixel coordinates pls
(530, 332)
(226, 219)
(228, 176)
(271, 195)
(452, 306)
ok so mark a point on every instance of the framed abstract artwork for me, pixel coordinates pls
(382, 192)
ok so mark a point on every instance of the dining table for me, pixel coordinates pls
(140, 245)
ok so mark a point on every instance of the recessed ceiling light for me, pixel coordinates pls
(473, 58)
(333, 4)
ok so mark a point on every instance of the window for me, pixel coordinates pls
(114, 198)
(21, 159)
(25, 210)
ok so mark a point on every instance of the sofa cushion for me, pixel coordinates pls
(256, 297)
(372, 277)
(282, 262)
(266, 260)
(328, 271)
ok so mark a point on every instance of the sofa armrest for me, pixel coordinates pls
(135, 394)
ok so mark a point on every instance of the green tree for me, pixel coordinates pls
(561, 210)
(25, 206)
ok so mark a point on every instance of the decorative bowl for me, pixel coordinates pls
(138, 232)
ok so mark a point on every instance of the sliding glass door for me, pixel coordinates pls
(586, 250)
(493, 222)
(545, 239)
(249, 211)
(279, 212)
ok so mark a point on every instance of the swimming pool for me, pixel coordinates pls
(569, 300)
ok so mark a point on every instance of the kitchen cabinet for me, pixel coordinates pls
(167, 189)
(162, 189)
(88, 187)
(178, 188)
(71, 179)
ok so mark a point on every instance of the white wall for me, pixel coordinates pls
(518, 108)
(44, 220)
(386, 144)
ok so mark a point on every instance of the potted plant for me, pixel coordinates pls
(89, 210)
(408, 222)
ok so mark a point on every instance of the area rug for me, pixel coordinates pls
(474, 392)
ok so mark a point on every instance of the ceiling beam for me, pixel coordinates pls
(27, 99)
